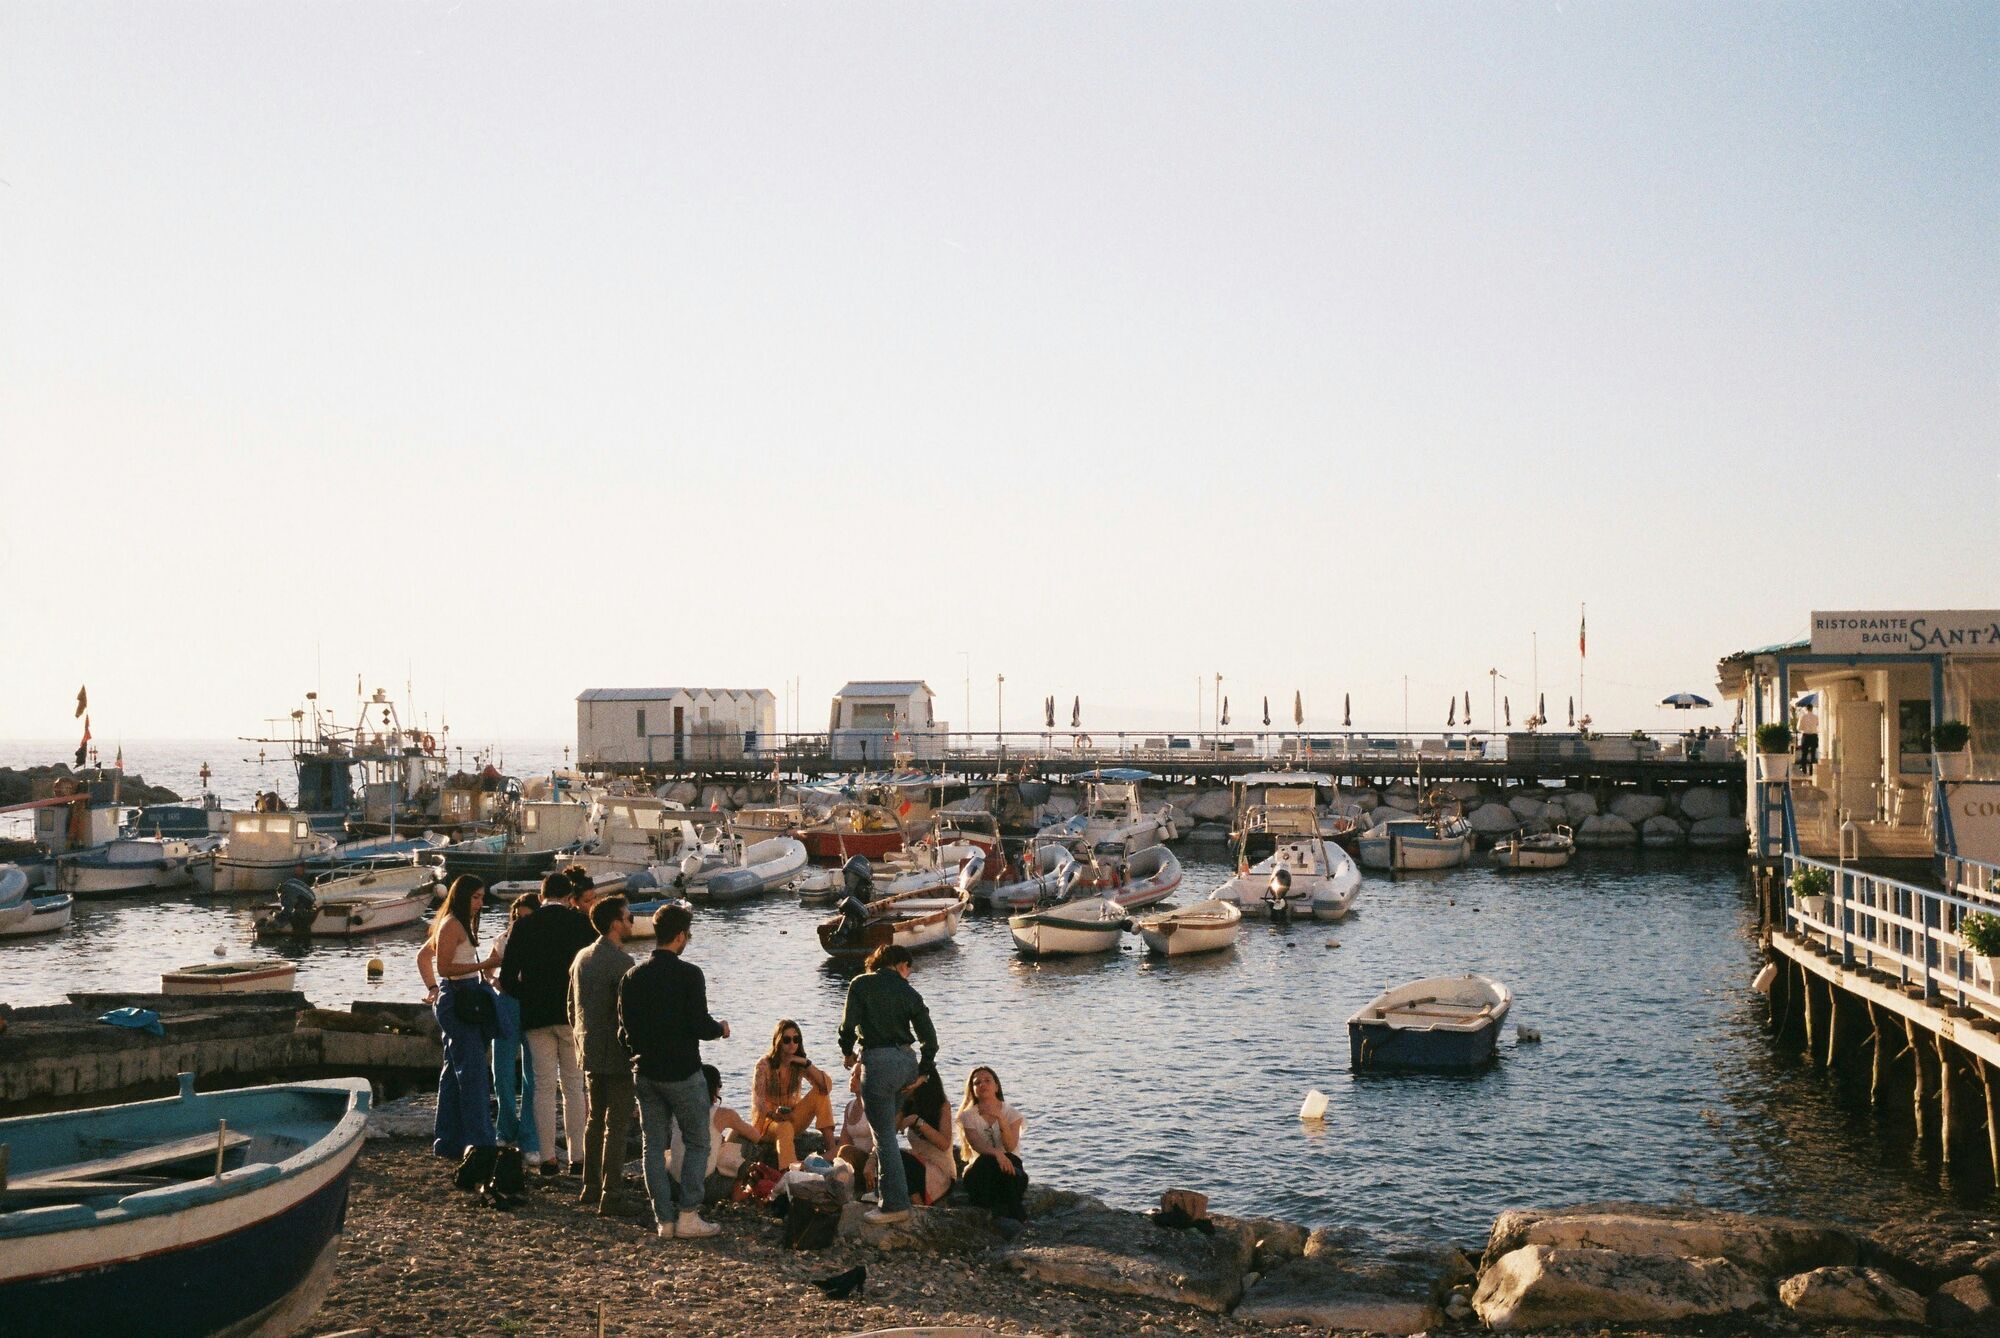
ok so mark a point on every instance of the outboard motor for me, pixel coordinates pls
(1278, 895)
(971, 870)
(858, 880)
(297, 904)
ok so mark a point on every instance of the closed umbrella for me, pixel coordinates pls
(1507, 705)
(1075, 712)
(1267, 712)
(1685, 701)
(1346, 711)
(1298, 708)
(1451, 718)
(1225, 710)
(1542, 706)
(1572, 713)
(1049, 712)
(1468, 708)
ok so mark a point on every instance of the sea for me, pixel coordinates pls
(1654, 1077)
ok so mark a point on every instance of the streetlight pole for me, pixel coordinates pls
(1217, 704)
(999, 710)
(966, 655)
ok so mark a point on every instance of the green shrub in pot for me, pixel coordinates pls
(1775, 737)
(1811, 882)
(1948, 736)
(1981, 932)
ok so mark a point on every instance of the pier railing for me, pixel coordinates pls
(1906, 932)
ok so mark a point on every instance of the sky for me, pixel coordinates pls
(510, 350)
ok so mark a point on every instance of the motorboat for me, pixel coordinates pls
(915, 920)
(261, 851)
(952, 837)
(36, 915)
(1071, 929)
(1139, 879)
(1284, 866)
(1440, 1022)
(1206, 926)
(128, 865)
(1113, 814)
(1046, 874)
(217, 1213)
(1438, 839)
(728, 870)
(369, 851)
(1544, 850)
(252, 976)
(816, 885)
(853, 827)
(345, 907)
(496, 858)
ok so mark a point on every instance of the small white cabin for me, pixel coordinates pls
(637, 726)
(873, 720)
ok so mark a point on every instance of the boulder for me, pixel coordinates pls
(1365, 800)
(1636, 808)
(1402, 793)
(681, 792)
(939, 1229)
(1776, 1246)
(1040, 1200)
(1528, 810)
(1057, 807)
(1543, 1286)
(1329, 1294)
(1604, 831)
(739, 796)
(1578, 804)
(1388, 813)
(1491, 820)
(1112, 1251)
(1925, 1252)
(713, 797)
(1662, 831)
(1209, 806)
(1273, 1241)
(1835, 1295)
(1704, 801)
(1463, 791)
(1965, 1306)
(1711, 833)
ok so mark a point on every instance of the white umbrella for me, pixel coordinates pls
(1685, 701)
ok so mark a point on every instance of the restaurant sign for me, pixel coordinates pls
(1907, 632)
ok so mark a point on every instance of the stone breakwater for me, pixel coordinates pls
(17, 786)
(420, 1258)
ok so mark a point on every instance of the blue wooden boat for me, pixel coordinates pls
(1442, 1022)
(207, 1214)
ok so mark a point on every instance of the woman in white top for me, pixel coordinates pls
(856, 1138)
(725, 1158)
(450, 965)
(989, 1141)
(928, 1168)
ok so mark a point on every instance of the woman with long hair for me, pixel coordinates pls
(467, 1015)
(789, 1093)
(989, 1142)
(514, 1079)
(928, 1168)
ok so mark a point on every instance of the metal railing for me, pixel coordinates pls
(1907, 932)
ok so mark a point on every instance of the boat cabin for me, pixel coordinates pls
(268, 837)
(639, 726)
(468, 799)
(875, 720)
(552, 825)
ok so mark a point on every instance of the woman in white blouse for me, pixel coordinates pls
(989, 1140)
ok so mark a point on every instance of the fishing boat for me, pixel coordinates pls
(36, 915)
(1284, 867)
(252, 976)
(1206, 926)
(1114, 815)
(1071, 929)
(915, 920)
(1046, 874)
(128, 865)
(262, 850)
(1441, 1022)
(345, 907)
(1139, 879)
(1438, 839)
(853, 827)
(1544, 850)
(217, 1213)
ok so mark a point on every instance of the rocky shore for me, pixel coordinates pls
(18, 785)
(420, 1258)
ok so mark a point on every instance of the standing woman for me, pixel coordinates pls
(513, 1080)
(989, 1139)
(450, 964)
(789, 1093)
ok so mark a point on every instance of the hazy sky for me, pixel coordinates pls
(518, 349)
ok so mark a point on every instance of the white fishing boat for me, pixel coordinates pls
(1206, 926)
(1284, 866)
(1544, 850)
(1439, 839)
(36, 915)
(1441, 1022)
(1072, 929)
(362, 903)
(251, 976)
(262, 851)
(128, 865)
(1047, 874)
(915, 920)
(1113, 817)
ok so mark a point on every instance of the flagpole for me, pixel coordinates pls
(1582, 653)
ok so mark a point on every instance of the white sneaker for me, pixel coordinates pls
(883, 1216)
(666, 1231)
(692, 1227)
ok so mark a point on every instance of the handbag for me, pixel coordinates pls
(474, 1004)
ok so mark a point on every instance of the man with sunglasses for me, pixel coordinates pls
(607, 1067)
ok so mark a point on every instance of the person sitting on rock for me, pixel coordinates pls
(790, 1093)
(928, 1168)
(856, 1138)
(989, 1142)
(723, 1158)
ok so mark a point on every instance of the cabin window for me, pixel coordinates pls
(1913, 735)
(1985, 722)
(874, 717)
(642, 722)
(531, 821)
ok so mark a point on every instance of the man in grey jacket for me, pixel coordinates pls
(607, 1067)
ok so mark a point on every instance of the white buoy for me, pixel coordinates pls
(221, 951)
(1314, 1109)
(1762, 984)
(1526, 1035)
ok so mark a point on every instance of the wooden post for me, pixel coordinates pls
(1917, 1078)
(1878, 1062)
(1992, 1125)
(1944, 1101)
(221, 1145)
(1832, 1022)
(1806, 980)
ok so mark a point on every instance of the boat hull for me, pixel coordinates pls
(230, 978)
(1401, 853)
(1196, 930)
(1521, 858)
(497, 866)
(835, 847)
(1379, 1046)
(221, 876)
(347, 917)
(1076, 929)
(912, 928)
(45, 916)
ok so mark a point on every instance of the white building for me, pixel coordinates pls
(872, 721)
(633, 726)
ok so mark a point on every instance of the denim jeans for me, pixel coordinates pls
(513, 1080)
(465, 1085)
(885, 1072)
(684, 1103)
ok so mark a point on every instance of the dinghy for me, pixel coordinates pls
(254, 976)
(36, 915)
(816, 886)
(1142, 878)
(1206, 926)
(756, 868)
(194, 1215)
(1073, 929)
(361, 903)
(1545, 850)
(1442, 1022)
(1048, 873)
(915, 920)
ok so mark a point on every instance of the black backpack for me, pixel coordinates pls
(813, 1217)
(510, 1177)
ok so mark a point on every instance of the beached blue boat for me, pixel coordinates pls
(1443, 1022)
(217, 1213)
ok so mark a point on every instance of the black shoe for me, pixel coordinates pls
(574, 1168)
(550, 1169)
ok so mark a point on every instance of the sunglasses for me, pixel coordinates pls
(789, 1040)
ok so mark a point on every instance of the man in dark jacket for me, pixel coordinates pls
(663, 1019)
(535, 971)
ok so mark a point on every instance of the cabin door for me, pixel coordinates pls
(1857, 757)
(680, 735)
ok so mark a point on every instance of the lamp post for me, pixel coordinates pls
(1000, 710)
(966, 655)
(1217, 707)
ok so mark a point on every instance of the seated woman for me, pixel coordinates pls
(857, 1138)
(725, 1158)
(989, 1139)
(789, 1093)
(928, 1168)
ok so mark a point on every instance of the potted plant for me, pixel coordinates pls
(1774, 751)
(1981, 932)
(1810, 887)
(1948, 745)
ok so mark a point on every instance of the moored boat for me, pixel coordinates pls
(1206, 926)
(251, 976)
(752, 869)
(262, 851)
(1144, 878)
(1440, 1022)
(1072, 929)
(1113, 815)
(115, 1219)
(1284, 866)
(128, 865)
(1047, 873)
(853, 828)
(915, 920)
(360, 903)
(1544, 850)
(1441, 839)
(36, 915)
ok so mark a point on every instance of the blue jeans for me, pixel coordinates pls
(885, 1072)
(686, 1104)
(513, 1081)
(465, 1084)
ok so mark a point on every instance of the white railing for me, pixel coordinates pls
(1973, 878)
(1899, 929)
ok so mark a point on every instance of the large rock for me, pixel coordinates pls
(681, 792)
(1851, 1296)
(713, 797)
(1112, 1251)
(1329, 1294)
(1606, 831)
(1273, 1241)
(1662, 831)
(1058, 807)
(1493, 820)
(1528, 810)
(1636, 808)
(1578, 804)
(1704, 801)
(1542, 1286)
(1365, 800)
(1712, 833)
(1209, 806)
(1965, 1306)
(1777, 1246)
(1388, 813)
(938, 1229)
(1401, 793)
(1925, 1252)
(1463, 791)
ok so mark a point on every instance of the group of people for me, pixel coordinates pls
(609, 1035)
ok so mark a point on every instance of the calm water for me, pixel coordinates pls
(1655, 1078)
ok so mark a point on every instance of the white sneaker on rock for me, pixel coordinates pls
(692, 1227)
(666, 1230)
(883, 1216)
